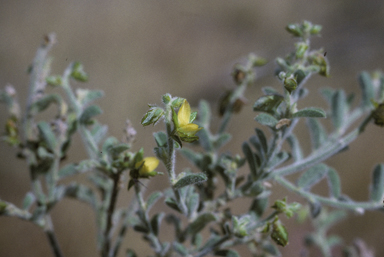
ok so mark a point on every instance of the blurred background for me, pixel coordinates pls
(138, 50)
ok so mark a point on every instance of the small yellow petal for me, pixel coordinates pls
(184, 113)
(150, 164)
(189, 128)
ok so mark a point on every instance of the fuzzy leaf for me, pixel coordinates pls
(190, 179)
(89, 112)
(297, 153)
(172, 203)
(377, 187)
(311, 112)
(192, 203)
(192, 156)
(28, 201)
(98, 132)
(180, 249)
(278, 159)
(328, 94)
(262, 139)
(339, 109)
(205, 140)
(266, 119)
(222, 140)
(251, 159)
(160, 138)
(200, 222)
(87, 96)
(152, 199)
(47, 135)
(367, 88)
(156, 222)
(204, 113)
(268, 103)
(317, 132)
(312, 176)
(44, 102)
(259, 205)
(269, 91)
(227, 253)
(68, 170)
(334, 183)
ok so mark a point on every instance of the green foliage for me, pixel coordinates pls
(198, 204)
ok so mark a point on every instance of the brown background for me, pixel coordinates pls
(138, 50)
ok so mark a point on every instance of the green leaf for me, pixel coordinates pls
(334, 183)
(279, 233)
(262, 139)
(205, 140)
(152, 199)
(172, 203)
(86, 96)
(204, 113)
(339, 109)
(156, 222)
(328, 94)
(190, 179)
(296, 151)
(251, 159)
(130, 253)
(377, 187)
(269, 91)
(89, 113)
(68, 170)
(277, 160)
(311, 112)
(47, 134)
(367, 88)
(28, 201)
(317, 132)
(43, 103)
(266, 119)
(268, 103)
(78, 72)
(314, 207)
(160, 138)
(98, 132)
(259, 205)
(200, 222)
(221, 140)
(192, 202)
(180, 249)
(227, 253)
(192, 156)
(312, 176)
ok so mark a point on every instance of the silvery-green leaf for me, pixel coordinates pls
(28, 201)
(339, 109)
(192, 156)
(334, 183)
(98, 132)
(268, 103)
(317, 132)
(312, 176)
(262, 139)
(180, 249)
(310, 112)
(68, 170)
(269, 91)
(160, 138)
(266, 119)
(190, 179)
(152, 199)
(377, 186)
(43, 103)
(204, 113)
(172, 203)
(297, 153)
(222, 140)
(328, 94)
(47, 135)
(200, 222)
(259, 205)
(367, 88)
(205, 140)
(192, 203)
(156, 222)
(277, 160)
(251, 159)
(89, 113)
(86, 96)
